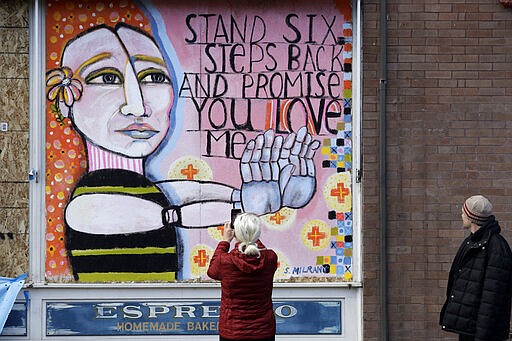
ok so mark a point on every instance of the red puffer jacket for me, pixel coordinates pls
(246, 304)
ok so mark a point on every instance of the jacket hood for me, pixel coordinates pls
(249, 264)
(491, 226)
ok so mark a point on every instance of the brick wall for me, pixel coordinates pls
(448, 116)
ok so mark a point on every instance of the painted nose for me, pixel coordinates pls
(134, 104)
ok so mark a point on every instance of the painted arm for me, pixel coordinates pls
(103, 213)
(202, 204)
(276, 172)
(186, 192)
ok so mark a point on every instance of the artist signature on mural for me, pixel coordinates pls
(310, 269)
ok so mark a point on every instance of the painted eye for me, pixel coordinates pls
(110, 78)
(104, 77)
(154, 76)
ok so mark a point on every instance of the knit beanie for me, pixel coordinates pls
(478, 209)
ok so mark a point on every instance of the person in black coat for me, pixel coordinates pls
(478, 295)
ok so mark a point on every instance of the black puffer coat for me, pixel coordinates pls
(479, 286)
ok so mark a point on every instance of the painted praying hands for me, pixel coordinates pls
(278, 172)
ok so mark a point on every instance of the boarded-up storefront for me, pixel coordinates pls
(157, 118)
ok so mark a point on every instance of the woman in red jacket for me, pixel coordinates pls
(246, 274)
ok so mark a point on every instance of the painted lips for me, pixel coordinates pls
(139, 131)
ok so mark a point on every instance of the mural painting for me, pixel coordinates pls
(163, 116)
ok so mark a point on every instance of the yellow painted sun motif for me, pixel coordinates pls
(281, 219)
(338, 192)
(190, 168)
(315, 235)
(200, 257)
(216, 232)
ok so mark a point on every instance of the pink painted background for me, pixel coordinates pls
(328, 215)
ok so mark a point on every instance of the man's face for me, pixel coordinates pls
(127, 92)
(466, 223)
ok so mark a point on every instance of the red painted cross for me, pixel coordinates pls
(340, 191)
(189, 172)
(277, 217)
(316, 236)
(201, 259)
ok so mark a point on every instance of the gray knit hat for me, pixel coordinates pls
(478, 209)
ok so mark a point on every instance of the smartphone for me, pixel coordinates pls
(234, 213)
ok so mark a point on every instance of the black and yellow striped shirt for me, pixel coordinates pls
(144, 256)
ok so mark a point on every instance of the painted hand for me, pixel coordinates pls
(260, 193)
(277, 173)
(298, 183)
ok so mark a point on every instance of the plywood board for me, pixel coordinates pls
(14, 101)
(14, 153)
(14, 40)
(14, 195)
(14, 13)
(14, 66)
(16, 247)
(14, 156)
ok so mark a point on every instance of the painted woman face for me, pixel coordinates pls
(127, 92)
